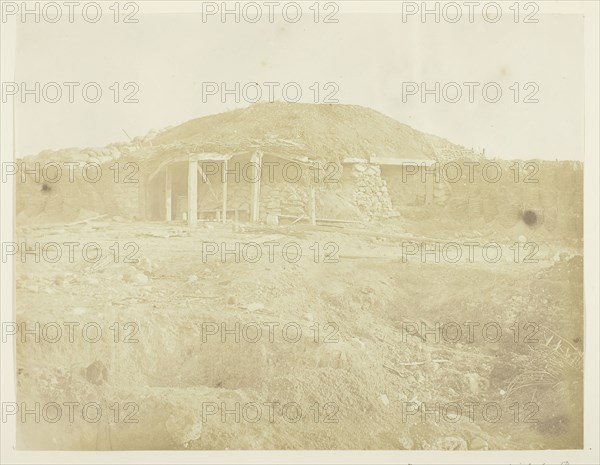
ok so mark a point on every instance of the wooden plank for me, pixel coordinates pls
(224, 179)
(297, 218)
(207, 181)
(209, 157)
(313, 205)
(429, 188)
(142, 187)
(168, 193)
(164, 163)
(192, 192)
(86, 220)
(335, 220)
(380, 235)
(256, 159)
(401, 161)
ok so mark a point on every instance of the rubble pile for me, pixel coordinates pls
(371, 192)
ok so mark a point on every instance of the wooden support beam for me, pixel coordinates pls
(159, 168)
(142, 187)
(429, 178)
(224, 180)
(192, 193)
(207, 182)
(313, 205)
(397, 161)
(256, 159)
(168, 193)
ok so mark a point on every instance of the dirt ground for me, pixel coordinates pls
(362, 355)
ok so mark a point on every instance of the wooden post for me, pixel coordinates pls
(224, 179)
(206, 181)
(192, 192)
(168, 193)
(313, 205)
(142, 187)
(429, 177)
(255, 206)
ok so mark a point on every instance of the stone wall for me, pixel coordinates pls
(370, 193)
(283, 198)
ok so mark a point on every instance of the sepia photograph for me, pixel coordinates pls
(301, 232)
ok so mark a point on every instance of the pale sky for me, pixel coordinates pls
(368, 55)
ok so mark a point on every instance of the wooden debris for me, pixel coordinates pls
(86, 220)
